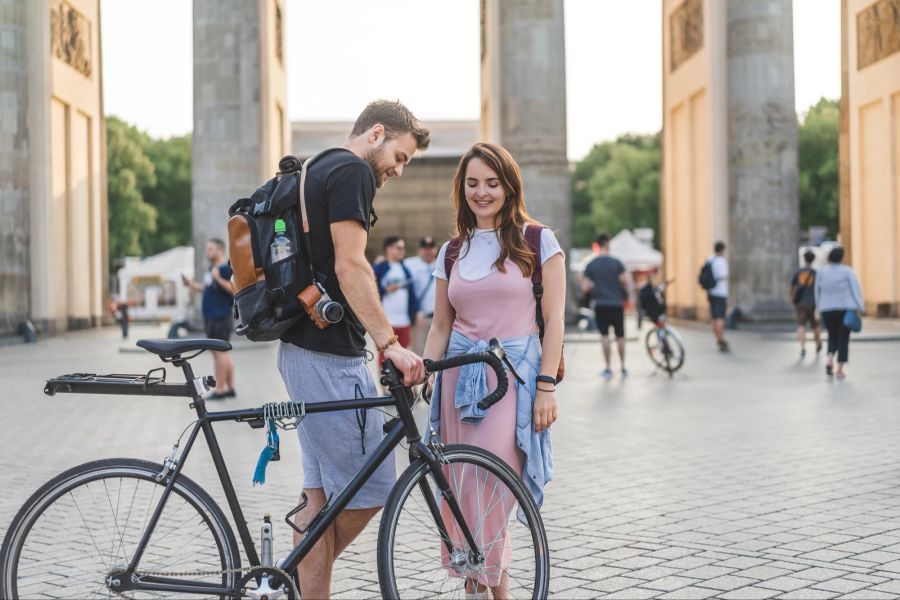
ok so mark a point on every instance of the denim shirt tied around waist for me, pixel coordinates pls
(525, 354)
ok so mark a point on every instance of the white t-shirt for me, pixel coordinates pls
(423, 282)
(396, 303)
(720, 271)
(478, 262)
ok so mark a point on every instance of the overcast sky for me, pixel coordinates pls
(343, 53)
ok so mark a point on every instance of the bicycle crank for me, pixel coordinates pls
(271, 583)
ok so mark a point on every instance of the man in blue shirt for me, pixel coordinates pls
(218, 299)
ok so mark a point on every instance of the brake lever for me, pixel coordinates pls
(498, 351)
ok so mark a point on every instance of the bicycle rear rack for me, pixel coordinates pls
(118, 383)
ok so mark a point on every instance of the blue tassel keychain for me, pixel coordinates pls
(270, 452)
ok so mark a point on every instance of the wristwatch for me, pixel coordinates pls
(545, 379)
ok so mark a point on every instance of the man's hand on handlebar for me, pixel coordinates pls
(407, 362)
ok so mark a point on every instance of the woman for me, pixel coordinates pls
(837, 291)
(487, 294)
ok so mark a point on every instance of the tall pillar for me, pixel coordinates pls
(240, 124)
(763, 199)
(15, 281)
(523, 92)
(51, 165)
(729, 151)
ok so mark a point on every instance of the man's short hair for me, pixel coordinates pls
(602, 240)
(218, 242)
(719, 247)
(809, 256)
(427, 242)
(390, 241)
(396, 119)
(836, 255)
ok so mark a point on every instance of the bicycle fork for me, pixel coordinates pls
(458, 558)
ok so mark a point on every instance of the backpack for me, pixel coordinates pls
(707, 279)
(808, 277)
(265, 300)
(533, 239)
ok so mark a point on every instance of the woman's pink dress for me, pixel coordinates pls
(499, 305)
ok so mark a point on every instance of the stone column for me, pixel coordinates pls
(15, 279)
(240, 131)
(523, 90)
(762, 155)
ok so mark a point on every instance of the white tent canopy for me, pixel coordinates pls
(153, 285)
(635, 254)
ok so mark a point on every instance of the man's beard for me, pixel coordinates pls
(373, 158)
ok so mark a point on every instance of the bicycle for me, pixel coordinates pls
(663, 342)
(132, 528)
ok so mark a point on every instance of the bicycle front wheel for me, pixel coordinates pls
(417, 558)
(665, 348)
(88, 521)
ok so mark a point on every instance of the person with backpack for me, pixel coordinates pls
(803, 296)
(714, 279)
(840, 300)
(395, 282)
(502, 276)
(323, 364)
(609, 284)
(422, 268)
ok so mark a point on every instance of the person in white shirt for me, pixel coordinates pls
(395, 282)
(422, 269)
(718, 295)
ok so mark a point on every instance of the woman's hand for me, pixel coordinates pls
(544, 410)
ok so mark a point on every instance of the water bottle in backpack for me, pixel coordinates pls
(281, 245)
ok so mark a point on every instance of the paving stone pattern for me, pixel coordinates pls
(747, 475)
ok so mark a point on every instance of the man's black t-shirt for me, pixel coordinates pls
(340, 186)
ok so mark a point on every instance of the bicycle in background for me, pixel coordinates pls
(663, 342)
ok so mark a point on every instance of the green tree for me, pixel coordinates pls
(615, 187)
(818, 165)
(130, 174)
(171, 196)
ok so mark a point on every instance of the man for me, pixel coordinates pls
(216, 305)
(422, 269)
(718, 294)
(395, 282)
(329, 364)
(610, 284)
(803, 296)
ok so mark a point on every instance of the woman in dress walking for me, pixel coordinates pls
(837, 291)
(483, 291)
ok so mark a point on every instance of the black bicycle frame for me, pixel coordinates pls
(405, 426)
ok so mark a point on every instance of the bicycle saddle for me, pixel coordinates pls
(167, 348)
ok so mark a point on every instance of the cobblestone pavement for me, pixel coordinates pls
(748, 475)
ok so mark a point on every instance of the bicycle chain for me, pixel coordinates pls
(239, 571)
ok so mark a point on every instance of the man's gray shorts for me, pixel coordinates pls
(331, 445)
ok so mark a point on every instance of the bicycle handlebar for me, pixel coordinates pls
(495, 358)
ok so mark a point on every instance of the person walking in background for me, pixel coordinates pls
(119, 310)
(837, 291)
(395, 286)
(803, 295)
(718, 294)
(216, 305)
(422, 269)
(609, 284)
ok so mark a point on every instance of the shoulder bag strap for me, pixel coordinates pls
(453, 248)
(533, 239)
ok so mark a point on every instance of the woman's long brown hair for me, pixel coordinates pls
(512, 218)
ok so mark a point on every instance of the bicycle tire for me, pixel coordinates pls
(661, 358)
(402, 581)
(25, 563)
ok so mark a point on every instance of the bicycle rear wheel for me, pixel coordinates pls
(413, 558)
(86, 522)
